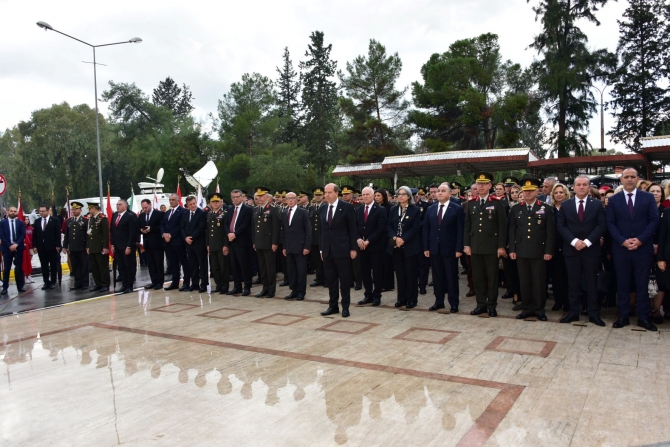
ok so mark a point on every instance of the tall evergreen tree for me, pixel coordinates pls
(639, 100)
(288, 106)
(375, 108)
(177, 99)
(319, 104)
(567, 64)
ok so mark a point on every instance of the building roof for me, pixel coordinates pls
(367, 170)
(656, 148)
(592, 161)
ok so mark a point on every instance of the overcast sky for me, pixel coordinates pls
(208, 45)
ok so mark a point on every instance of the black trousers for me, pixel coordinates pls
(372, 271)
(50, 263)
(220, 267)
(154, 256)
(356, 269)
(338, 272)
(586, 267)
(316, 263)
(560, 280)
(79, 262)
(267, 269)
(126, 265)
(100, 269)
(7, 258)
(407, 274)
(197, 264)
(445, 277)
(281, 262)
(389, 279)
(512, 276)
(297, 273)
(533, 280)
(241, 263)
(176, 255)
(424, 267)
(485, 279)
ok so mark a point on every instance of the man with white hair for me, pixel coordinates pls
(372, 242)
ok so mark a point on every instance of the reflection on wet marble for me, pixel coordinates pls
(194, 369)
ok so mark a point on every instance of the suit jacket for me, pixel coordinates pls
(374, 229)
(194, 227)
(5, 234)
(172, 225)
(592, 229)
(447, 238)
(152, 239)
(340, 237)
(641, 225)
(49, 239)
(242, 225)
(297, 236)
(411, 225)
(124, 234)
(663, 236)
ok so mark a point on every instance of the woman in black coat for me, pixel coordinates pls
(405, 246)
(388, 283)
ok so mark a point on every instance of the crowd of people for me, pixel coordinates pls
(591, 246)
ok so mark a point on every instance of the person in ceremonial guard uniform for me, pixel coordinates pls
(531, 242)
(484, 240)
(315, 261)
(216, 239)
(74, 243)
(265, 238)
(97, 247)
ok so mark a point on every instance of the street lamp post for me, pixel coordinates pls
(602, 117)
(45, 26)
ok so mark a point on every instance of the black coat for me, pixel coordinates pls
(374, 229)
(49, 239)
(411, 224)
(172, 225)
(242, 225)
(298, 236)
(194, 227)
(124, 234)
(152, 239)
(340, 237)
(664, 236)
(592, 229)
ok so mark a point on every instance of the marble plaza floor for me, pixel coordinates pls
(182, 369)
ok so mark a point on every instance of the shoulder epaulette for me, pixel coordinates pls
(492, 197)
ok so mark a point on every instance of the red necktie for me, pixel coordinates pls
(330, 215)
(365, 215)
(118, 218)
(439, 216)
(232, 226)
(630, 203)
(580, 211)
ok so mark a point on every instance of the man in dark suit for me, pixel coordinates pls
(338, 248)
(265, 238)
(12, 235)
(124, 237)
(296, 236)
(372, 243)
(175, 248)
(47, 245)
(240, 243)
(149, 223)
(443, 244)
(581, 223)
(193, 227)
(632, 218)
(74, 243)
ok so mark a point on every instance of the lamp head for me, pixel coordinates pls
(45, 26)
(135, 40)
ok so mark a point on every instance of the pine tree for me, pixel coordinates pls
(169, 95)
(288, 107)
(567, 65)
(638, 99)
(319, 104)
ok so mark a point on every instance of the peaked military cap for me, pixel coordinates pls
(346, 189)
(76, 205)
(509, 181)
(455, 185)
(483, 177)
(317, 191)
(215, 197)
(530, 184)
(261, 190)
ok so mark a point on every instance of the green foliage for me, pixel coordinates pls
(279, 168)
(174, 98)
(288, 105)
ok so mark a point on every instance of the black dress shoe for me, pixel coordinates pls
(493, 313)
(258, 281)
(21, 290)
(75, 288)
(410, 306)
(345, 313)
(376, 302)
(300, 297)
(45, 286)
(399, 304)
(261, 294)
(479, 311)
(430, 284)
(217, 290)
(103, 289)
(283, 284)
(158, 287)
(233, 292)
(597, 321)
(315, 284)
(542, 317)
(621, 322)
(171, 287)
(657, 320)
(126, 290)
(648, 325)
(507, 296)
(202, 289)
(422, 291)
(246, 292)
(52, 286)
(150, 286)
(194, 288)
(436, 307)
(94, 289)
(453, 310)
(359, 286)
(184, 288)
(223, 292)
(525, 314)
(569, 318)
(4, 292)
(470, 293)
(365, 301)
(290, 296)
(330, 311)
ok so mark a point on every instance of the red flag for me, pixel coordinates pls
(19, 214)
(179, 194)
(109, 218)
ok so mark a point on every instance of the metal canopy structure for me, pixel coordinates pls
(656, 148)
(594, 161)
(367, 170)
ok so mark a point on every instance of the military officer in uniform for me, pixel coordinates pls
(315, 261)
(74, 243)
(265, 238)
(531, 244)
(484, 240)
(97, 247)
(216, 239)
(348, 197)
(303, 199)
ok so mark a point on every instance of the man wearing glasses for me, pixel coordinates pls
(175, 248)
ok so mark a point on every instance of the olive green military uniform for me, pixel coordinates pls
(485, 232)
(266, 231)
(531, 236)
(75, 242)
(96, 241)
(216, 237)
(315, 261)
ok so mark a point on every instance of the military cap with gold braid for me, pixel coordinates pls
(530, 184)
(301, 194)
(215, 197)
(483, 177)
(455, 185)
(346, 189)
(318, 191)
(261, 190)
(92, 204)
(76, 205)
(421, 191)
(277, 194)
(510, 181)
(244, 193)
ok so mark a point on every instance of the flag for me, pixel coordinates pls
(217, 185)
(53, 203)
(109, 217)
(132, 198)
(19, 214)
(179, 192)
(200, 199)
(67, 198)
(156, 205)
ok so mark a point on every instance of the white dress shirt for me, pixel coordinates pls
(290, 216)
(575, 240)
(444, 209)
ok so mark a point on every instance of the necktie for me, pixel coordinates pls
(289, 216)
(580, 211)
(530, 208)
(191, 216)
(439, 215)
(482, 202)
(232, 227)
(171, 212)
(12, 231)
(330, 215)
(630, 203)
(118, 218)
(44, 224)
(365, 215)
